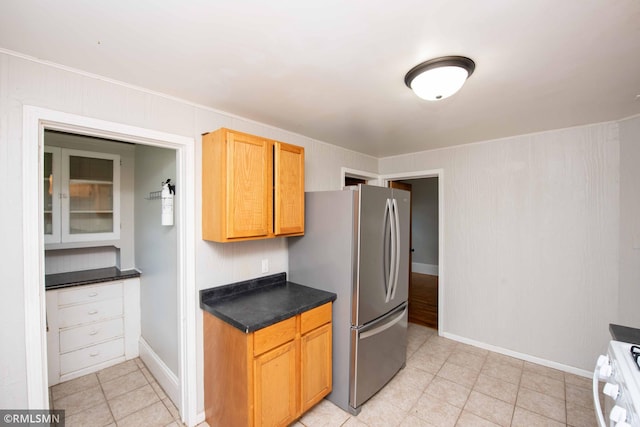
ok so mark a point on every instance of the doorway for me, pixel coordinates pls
(423, 270)
(426, 296)
(35, 121)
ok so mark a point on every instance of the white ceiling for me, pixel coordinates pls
(334, 69)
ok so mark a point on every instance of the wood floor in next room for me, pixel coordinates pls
(423, 300)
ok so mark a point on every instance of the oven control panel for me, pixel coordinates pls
(622, 392)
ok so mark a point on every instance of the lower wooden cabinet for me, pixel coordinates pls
(275, 380)
(315, 366)
(269, 377)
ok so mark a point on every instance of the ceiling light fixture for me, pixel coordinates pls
(439, 78)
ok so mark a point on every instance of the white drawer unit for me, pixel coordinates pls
(90, 356)
(92, 327)
(88, 293)
(83, 336)
(82, 314)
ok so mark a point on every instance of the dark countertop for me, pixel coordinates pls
(87, 277)
(625, 333)
(258, 303)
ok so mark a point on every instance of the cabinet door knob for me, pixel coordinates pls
(93, 312)
(93, 294)
(93, 332)
(94, 354)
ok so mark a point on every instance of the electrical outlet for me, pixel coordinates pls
(265, 265)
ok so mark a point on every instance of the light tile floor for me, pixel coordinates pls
(446, 383)
(122, 395)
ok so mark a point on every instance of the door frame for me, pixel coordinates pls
(432, 173)
(35, 120)
(370, 177)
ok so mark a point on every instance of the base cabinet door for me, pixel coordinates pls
(315, 381)
(269, 377)
(275, 379)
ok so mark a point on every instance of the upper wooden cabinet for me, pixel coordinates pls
(252, 187)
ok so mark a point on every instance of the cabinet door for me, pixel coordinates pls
(275, 379)
(289, 189)
(51, 194)
(91, 196)
(249, 186)
(315, 366)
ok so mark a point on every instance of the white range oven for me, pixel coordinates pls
(620, 370)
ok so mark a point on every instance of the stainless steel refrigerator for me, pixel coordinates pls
(356, 244)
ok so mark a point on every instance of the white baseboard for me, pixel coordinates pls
(167, 379)
(522, 356)
(430, 269)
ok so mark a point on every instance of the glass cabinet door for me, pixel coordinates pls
(91, 206)
(51, 194)
(81, 196)
(90, 195)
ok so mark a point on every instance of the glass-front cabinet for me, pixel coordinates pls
(81, 196)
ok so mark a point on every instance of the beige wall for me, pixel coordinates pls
(630, 222)
(530, 240)
(532, 223)
(24, 82)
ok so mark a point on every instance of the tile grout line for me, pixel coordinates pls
(515, 403)
(566, 406)
(137, 388)
(113, 417)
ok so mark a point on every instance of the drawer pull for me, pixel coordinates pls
(93, 312)
(93, 294)
(93, 332)
(94, 353)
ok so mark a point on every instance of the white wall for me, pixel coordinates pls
(157, 255)
(530, 240)
(424, 220)
(25, 82)
(630, 222)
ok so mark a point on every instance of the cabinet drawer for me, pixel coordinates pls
(85, 357)
(274, 335)
(88, 313)
(84, 294)
(83, 336)
(309, 320)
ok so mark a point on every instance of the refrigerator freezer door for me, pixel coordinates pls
(380, 350)
(377, 246)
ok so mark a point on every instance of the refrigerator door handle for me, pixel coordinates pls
(385, 326)
(397, 248)
(392, 260)
(388, 215)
